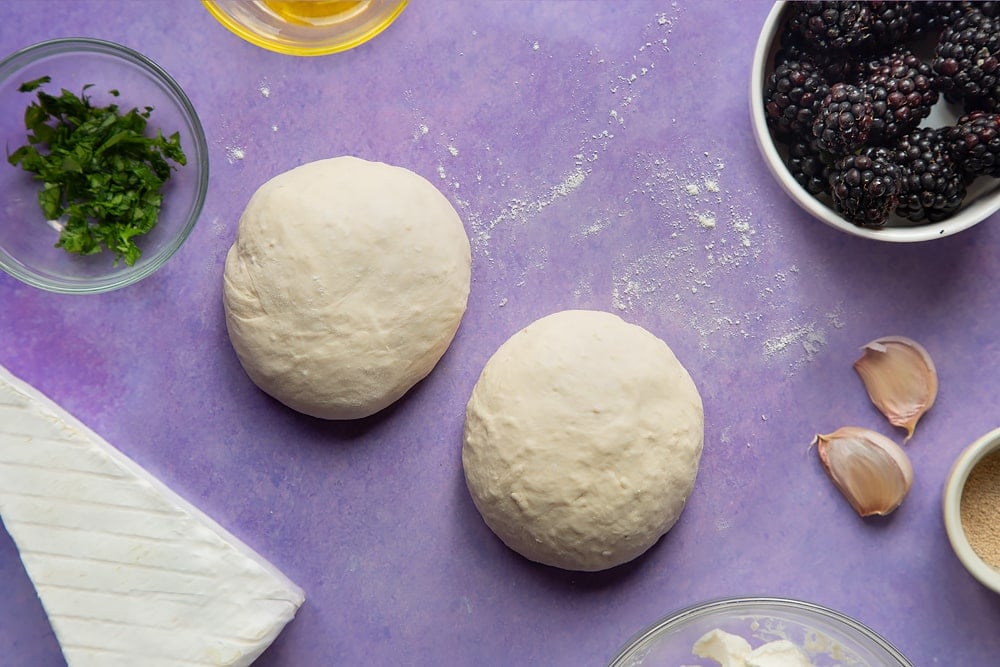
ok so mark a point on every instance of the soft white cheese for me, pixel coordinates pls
(128, 572)
(731, 650)
(727, 649)
(779, 653)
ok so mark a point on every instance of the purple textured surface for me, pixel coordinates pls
(589, 147)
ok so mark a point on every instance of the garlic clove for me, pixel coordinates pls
(872, 471)
(900, 378)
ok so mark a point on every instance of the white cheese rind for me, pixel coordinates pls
(129, 573)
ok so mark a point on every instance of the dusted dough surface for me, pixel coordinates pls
(582, 440)
(345, 285)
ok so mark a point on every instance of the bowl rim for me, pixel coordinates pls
(968, 459)
(324, 48)
(976, 209)
(10, 64)
(729, 603)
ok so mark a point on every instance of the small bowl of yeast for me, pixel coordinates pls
(972, 509)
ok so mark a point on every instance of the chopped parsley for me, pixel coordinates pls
(102, 175)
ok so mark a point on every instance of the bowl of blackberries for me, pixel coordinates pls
(882, 119)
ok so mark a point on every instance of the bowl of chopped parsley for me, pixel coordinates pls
(105, 170)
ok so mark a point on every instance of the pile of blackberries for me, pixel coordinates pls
(848, 96)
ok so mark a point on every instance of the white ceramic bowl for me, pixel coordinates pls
(829, 638)
(983, 197)
(964, 464)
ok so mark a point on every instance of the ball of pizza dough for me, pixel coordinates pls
(345, 286)
(582, 440)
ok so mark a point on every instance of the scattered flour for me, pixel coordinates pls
(623, 300)
(674, 273)
(583, 287)
(684, 260)
(235, 153)
(625, 90)
(800, 343)
(836, 316)
(595, 227)
(535, 261)
(706, 220)
(699, 237)
(264, 89)
(519, 210)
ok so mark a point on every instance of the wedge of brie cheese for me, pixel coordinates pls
(127, 571)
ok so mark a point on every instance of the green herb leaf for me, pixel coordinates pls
(29, 86)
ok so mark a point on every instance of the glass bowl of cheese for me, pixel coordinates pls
(782, 631)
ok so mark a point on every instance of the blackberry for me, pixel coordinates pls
(967, 61)
(901, 91)
(892, 22)
(946, 13)
(844, 120)
(835, 66)
(794, 93)
(974, 143)
(826, 25)
(809, 166)
(866, 187)
(925, 18)
(933, 184)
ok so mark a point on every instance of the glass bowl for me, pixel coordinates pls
(306, 27)
(982, 200)
(827, 637)
(27, 239)
(952, 504)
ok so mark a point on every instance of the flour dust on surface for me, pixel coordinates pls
(707, 236)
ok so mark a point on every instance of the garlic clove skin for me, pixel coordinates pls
(900, 378)
(869, 469)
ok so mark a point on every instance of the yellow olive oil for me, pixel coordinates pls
(315, 12)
